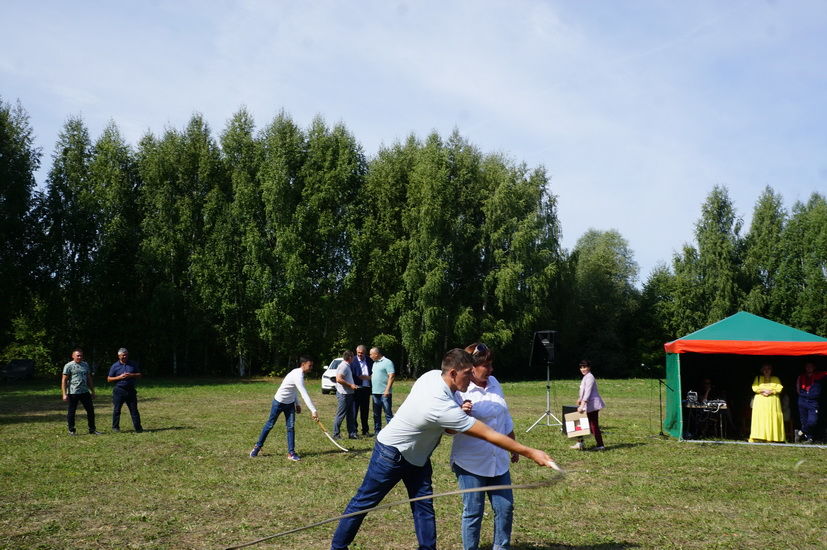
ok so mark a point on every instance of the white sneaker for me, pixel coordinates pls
(578, 446)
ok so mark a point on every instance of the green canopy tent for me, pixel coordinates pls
(726, 352)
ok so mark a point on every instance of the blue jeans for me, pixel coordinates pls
(473, 506)
(385, 469)
(808, 414)
(380, 403)
(289, 410)
(345, 410)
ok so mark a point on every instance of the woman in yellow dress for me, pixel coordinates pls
(767, 417)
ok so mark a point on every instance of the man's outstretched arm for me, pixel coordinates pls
(484, 432)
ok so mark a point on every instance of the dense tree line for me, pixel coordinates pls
(233, 254)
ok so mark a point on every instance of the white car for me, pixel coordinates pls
(329, 376)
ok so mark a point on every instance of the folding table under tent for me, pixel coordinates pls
(726, 352)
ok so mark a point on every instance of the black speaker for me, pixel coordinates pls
(547, 341)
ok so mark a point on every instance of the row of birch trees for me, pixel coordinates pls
(232, 254)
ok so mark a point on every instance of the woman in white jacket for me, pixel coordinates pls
(590, 402)
(478, 463)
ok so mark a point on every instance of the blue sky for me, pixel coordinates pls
(636, 109)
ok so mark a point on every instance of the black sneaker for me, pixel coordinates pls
(72, 432)
(95, 432)
(116, 430)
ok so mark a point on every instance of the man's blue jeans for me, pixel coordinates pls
(385, 469)
(380, 403)
(473, 506)
(289, 410)
(808, 414)
(345, 411)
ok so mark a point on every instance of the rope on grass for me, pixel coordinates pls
(557, 478)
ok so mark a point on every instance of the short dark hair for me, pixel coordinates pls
(585, 363)
(304, 359)
(347, 355)
(77, 349)
(458, 359)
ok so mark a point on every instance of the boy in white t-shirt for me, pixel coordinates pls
(285, 402)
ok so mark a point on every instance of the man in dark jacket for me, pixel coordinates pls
(362, 368)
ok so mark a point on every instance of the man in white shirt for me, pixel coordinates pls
(403, 448)
(345, 389)
(285, 402)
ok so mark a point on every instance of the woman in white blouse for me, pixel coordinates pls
(590, 402)
(478, 463)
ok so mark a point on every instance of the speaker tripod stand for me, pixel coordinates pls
(548, 415)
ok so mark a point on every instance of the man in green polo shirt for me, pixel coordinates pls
(77, 386)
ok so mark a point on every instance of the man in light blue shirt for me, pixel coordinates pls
(381, 381)
(403, 449)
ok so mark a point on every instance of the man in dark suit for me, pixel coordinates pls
(362, 367)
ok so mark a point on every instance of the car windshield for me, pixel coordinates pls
(334, 363)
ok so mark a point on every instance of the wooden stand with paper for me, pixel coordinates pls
(577, 424)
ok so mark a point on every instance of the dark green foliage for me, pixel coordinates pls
(762, 255)
(800, 294)
(779, 270)
(607, 301)
(182, 180)
(235, 255)
(115, 187)
(18, 161)
(69, 217)
(717, 234)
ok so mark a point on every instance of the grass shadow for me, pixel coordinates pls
(618, 446)
(39, 418)
(36, 407)
(167, 429)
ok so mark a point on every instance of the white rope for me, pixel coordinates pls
(558, 477)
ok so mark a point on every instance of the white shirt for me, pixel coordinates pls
(418, 425)
(294, 381)
(475, 455)
(365, 383)
(343, 371)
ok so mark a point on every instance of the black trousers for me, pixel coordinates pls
(130, 398)
(361, 406)
(86, 400)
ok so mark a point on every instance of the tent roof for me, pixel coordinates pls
(748, 334)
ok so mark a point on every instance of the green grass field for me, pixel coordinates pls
(187, 482)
